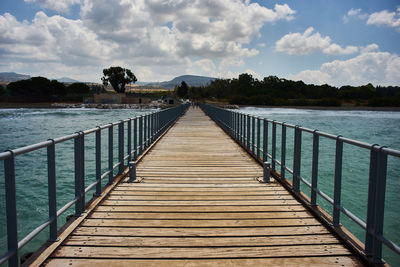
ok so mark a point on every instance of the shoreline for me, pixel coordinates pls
(49, 105)
(344, 108)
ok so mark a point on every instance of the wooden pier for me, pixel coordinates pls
(198, 203)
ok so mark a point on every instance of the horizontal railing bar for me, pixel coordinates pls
(389, 243)
(105, 174)
(87, 189)
(67, 206)
(86, 132)
(34, 233)
(7, 256)
(65, 138)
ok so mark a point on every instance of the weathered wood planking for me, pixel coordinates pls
(199, 204)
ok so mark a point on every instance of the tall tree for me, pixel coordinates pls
(118, 77)
(182, 90)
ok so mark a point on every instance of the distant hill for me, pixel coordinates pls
(12, 77)
(191, 80)
(67, 80)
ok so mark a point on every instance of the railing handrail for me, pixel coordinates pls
(241, 127)
(147, 128)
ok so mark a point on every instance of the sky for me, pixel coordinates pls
(339, 42)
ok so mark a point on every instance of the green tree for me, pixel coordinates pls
(78, 89)
(182, 89)
(118, 77)
(2, 90)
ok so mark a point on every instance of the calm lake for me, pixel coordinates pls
(21, 127)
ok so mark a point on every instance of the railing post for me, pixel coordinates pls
(283, 150)
(145, 132)
(248, 132)
(253, 134)
(258, 137)
(376, 203)
(296, 159)
(135, 136)
(314, 172)
(338, 182)
(132, 171)
(79, 174)
(273, 145)
(140, 135)
(121, 147)
(51, 180)
(129, 139)
(110, 154)
(265, 140)
(98, 161)
(11, 209)
(267, 172)
(152, 128)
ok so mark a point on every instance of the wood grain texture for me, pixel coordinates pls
(199, 204)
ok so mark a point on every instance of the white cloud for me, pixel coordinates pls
(391, 19)
(378, 68)
(161, 36)
(369, 48)
(309, 42)
(384, 17)
(354, 13)
(62, 6)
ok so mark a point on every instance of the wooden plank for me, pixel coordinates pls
(150, 192)
(327, 261)
(187, 232)
(200, 252)
(112, 241)
(200, 202)
(198, 215)
(208, 209)
(200, 223)
(126, 197)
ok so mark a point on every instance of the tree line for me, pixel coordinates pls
(274, 91)
(43, 89)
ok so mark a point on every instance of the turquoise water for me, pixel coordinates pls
(374, 127)
(20, 127)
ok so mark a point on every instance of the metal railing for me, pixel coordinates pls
(246, 129)
(146, 129)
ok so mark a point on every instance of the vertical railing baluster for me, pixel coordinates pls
(11, 209)
(248, 132)
(145, 132)
(140, 135)
(373, 173)
(98, 161)
(258, 137)
(52, 189)
(110, 154)
(135, 137)
(314, 174)
(121, 147)
(338, 182)
(380, 204)
(129, 139)
(297, 159)
(253, 134)
(265, 140)
(78, 159)
(273, 161)
(283, 150)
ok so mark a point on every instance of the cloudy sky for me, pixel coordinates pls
(337, 42)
